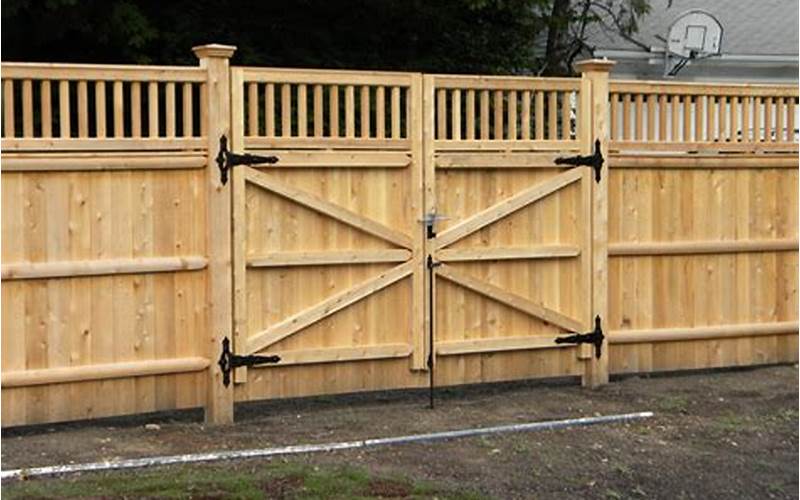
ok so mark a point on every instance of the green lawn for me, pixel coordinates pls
(229, 480)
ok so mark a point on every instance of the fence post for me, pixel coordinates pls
(217, 119)
(594, 81)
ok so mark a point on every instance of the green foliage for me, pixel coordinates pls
(275, 479)
(452, 36)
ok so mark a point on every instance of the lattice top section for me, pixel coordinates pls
(69, 106)
(470, 109)
(702, 113)
(297, 108)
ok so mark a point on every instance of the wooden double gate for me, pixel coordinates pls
(414, 227)
(383, 229)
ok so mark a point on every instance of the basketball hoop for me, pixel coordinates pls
(694, 35)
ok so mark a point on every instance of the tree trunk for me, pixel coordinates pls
(557, 33)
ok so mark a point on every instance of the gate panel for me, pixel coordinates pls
(328, 243)
(512, 246)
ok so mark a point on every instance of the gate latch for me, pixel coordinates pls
(226, 160)
(595, 160)
(228, 361)
(594, 337)
(429, 221)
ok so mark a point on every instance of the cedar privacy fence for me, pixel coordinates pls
(414, 227)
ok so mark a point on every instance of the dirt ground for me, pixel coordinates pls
(731, 434)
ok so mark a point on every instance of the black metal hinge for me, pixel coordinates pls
(594, 160)
(594, 337)
(226, 160)
(228, 361)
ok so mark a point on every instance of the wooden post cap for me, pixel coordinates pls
(214, 50)
(594, 65)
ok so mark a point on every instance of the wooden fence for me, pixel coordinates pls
(125, 260)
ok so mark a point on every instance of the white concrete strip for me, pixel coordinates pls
(311, 448)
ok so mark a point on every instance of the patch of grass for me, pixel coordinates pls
(731, 423)
(622, 470)
(787, 415)
(678, 404)
(275, 480)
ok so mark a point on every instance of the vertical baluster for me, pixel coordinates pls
(365, 112)
(711, 119)
(188, 119)
(538, 115)
(780, 115)
(722, 111)
(526, 115)
(790, 120)
(83, 109)
(734, 130)
(350, 111)
(699, 128)
(552, 115)
(498, 115)
(269, 110)
(663, 129)
(319, 111)
(333, 110)
(408, 111)
(676, 118)
(169, 108)
(136, 109)
(395, 112)
(203, 108)
(699, 118)
(152, 113)
(118, 110)
(512, 116)
(27, 108)
(758, 120)
(9, 127)
(252, 109)
(627, 129)
(456, 114)
(639, 116)
(687, 118)
(302, 110)
(768, 111)
(380, 112)
(286, 110)
(100, 108)
(46, 102)
(484, 114)
(651, 117)
(65, 129)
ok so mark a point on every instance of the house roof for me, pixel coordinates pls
(760, 27)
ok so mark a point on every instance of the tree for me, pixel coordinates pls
(448, 36)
